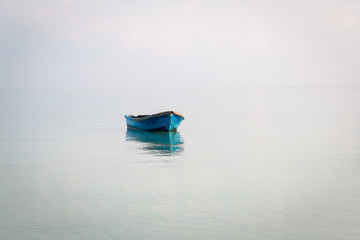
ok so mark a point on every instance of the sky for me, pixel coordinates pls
(183, 44)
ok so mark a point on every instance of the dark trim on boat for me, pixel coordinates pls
(145, 117)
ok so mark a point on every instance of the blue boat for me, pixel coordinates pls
(164, 121)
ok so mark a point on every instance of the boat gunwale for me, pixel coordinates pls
(146, 117)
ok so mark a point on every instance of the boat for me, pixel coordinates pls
(163, 121)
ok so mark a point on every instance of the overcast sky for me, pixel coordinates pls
(128, 44)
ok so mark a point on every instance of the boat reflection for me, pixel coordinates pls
(158, 143)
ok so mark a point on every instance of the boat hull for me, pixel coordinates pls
(166, 121)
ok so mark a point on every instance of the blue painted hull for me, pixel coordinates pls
(165, 121)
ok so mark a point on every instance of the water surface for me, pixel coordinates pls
(245, 164)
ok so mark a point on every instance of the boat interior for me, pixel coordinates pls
(138, 116)
(155, 115)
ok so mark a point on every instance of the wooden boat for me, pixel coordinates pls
(164, 121)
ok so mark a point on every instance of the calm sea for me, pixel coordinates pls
(266, 163)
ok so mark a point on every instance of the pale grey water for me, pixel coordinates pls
(267, 163)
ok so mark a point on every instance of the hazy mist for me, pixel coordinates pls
(165, 44)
